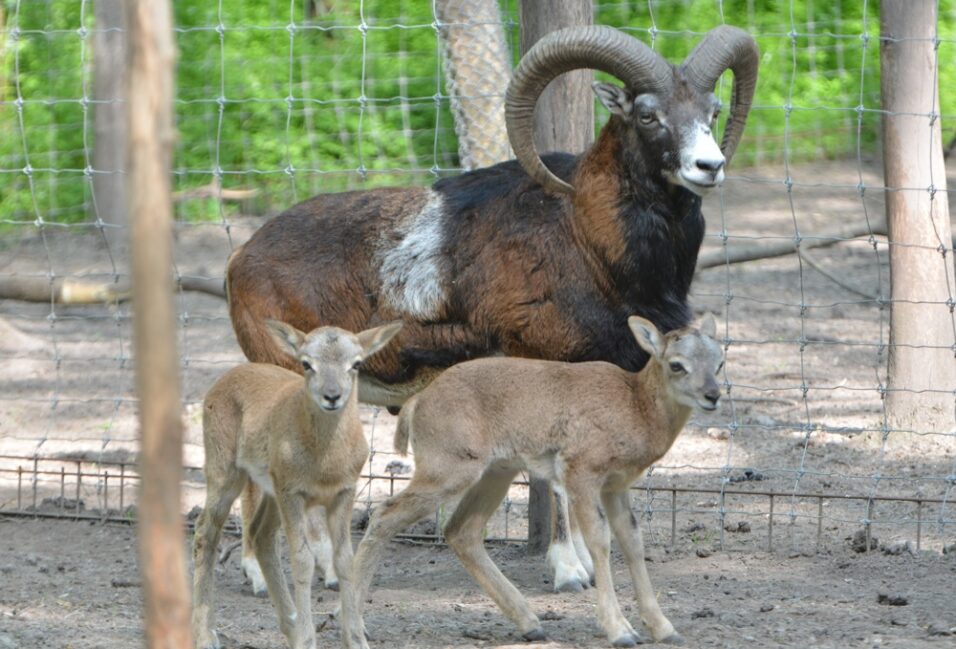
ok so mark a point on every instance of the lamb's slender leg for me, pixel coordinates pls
(219, 499)
(263, 529)
(321, 545)
(465, 534)
(592, 518)
(627, 531)
(393, 516)
(249, 563)
(339, 517)
(292, 508)
(570, 573)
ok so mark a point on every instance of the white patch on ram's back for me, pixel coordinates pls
(411, 269)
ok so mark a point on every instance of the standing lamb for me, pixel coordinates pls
(300, 441)
(522, 258)
(591, 429)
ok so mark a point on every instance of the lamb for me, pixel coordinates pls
(300, 440)
(537, 258)
(591, 429)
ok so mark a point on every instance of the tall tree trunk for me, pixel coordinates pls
(110, 56)
(477, 71)
(150, 115)
(564, 121)
(922, 368)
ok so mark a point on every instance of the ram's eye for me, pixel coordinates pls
(678, 368)
(647, 118)
(715, 117)
(306, 365)
(719, 367)
(357, 365)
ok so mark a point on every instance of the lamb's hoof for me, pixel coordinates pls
(332, 585)
(628, 640)
(675, 639)
(535, 635)
(572, 585)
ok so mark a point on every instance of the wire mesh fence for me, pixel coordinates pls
(280, 100)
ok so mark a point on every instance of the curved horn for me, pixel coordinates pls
(596, 47)
(724, 48)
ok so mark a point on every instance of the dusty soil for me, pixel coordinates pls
(75, 585)
(802, 415)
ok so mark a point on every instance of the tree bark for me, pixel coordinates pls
(110, 55)
(161, 536)
(477, 71)
(564, 121)
(922, 369)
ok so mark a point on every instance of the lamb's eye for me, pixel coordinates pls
(306, 365)
(357, 365)
(678, 368)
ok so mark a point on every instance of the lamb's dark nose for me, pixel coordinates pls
(332, 398)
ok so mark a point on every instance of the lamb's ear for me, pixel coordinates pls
(708, 326)
(288, 338)
(647, 335)
(615, 99)
(373, 340)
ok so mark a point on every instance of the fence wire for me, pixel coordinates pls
(278, 101)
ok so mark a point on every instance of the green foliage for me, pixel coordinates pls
(353, 95)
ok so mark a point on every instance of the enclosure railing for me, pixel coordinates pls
(81, 489)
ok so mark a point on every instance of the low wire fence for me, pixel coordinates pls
(739, 516)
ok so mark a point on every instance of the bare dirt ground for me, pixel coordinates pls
(75, 585)
(802, 416)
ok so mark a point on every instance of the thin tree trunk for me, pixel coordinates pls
(477, 71)
(564, 121)
(161, 536)
(922, 369)
(110, 55)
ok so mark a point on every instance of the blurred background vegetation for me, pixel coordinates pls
(295, 98)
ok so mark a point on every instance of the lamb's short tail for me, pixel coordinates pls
(403, 431)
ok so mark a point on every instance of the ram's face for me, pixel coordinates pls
(673, 132)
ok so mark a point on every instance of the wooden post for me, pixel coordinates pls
(564, 121)
(110, 54)
(922, 370)
(150, 122)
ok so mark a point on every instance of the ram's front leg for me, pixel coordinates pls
(564, 553)
(293, 510)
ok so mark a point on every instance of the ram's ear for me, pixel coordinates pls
(708, 326)
(647, 335)
(616, 99)
(288, 338)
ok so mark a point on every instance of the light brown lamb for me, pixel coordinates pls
(300, 441)
(591, 429)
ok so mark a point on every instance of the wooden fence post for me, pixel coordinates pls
(922, 369)
(150, 121)
(564, 121)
